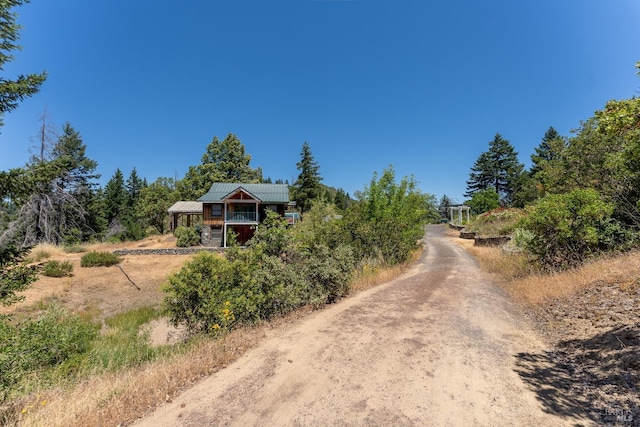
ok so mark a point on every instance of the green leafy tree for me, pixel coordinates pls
(13, 91)
(388, 221)
(155, 199)
(604, 154)
(14, 276)
(549, 169)
(499, 168)
(544, 152)
(484, 201)
(307, 187)
(223, 161)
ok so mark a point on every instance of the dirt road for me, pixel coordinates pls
(435, 347)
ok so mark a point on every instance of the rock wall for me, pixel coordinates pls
(170, 251)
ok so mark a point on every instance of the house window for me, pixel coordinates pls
(216, 211)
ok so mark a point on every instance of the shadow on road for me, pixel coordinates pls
(590, 380)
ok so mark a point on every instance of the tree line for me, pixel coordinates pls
(55, 197)
(581, 195)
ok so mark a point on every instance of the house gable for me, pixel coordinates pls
(238, 207)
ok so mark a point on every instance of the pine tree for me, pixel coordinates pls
(544, 152)
(115, 196)
(307, 187)
(57, 185)
(496, 168)
(443, 206)
(134, 186)
(13, 91)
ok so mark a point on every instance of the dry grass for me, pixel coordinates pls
(122, 398)
(371, 277)
(527, 285)
(538, 288)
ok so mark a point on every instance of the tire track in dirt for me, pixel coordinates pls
(434, 347)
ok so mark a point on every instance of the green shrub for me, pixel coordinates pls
(98, 259)
(186, 237)
(53, 339)
(57, 269)
(567, 228)
(199, 292)
(328, 272)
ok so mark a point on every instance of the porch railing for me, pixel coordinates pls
(242, 217)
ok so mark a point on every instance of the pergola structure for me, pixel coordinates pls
(181, 211)
(459, 209)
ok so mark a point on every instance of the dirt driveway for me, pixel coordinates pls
(435, 347)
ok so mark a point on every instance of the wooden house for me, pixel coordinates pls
(239, 208)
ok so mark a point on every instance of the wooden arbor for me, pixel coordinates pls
(459, 209)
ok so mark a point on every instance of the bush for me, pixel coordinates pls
(52, 339)
(186, 237)
(567, 228)
(57, 269)
(328, 272)
(99, 259)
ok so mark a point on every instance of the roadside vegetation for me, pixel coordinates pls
(283, 273)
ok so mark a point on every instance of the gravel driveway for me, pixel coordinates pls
(437, 346)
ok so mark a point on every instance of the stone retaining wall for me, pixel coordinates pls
(464, 234)
(492, 241)
(170, 251)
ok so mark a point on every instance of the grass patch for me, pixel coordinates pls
(57, 269)
(122, 344)
(99, 259)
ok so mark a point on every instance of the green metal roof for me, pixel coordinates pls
(266, 193)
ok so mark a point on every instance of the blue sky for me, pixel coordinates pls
(420, 85)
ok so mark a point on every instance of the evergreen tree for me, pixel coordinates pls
(443, 206)
(13, 91)
(115, 197)
(57, 186)
(499, 168)
(544, 152)
(134, 186)
(341, 199)
(547, 164)
(307, 187)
